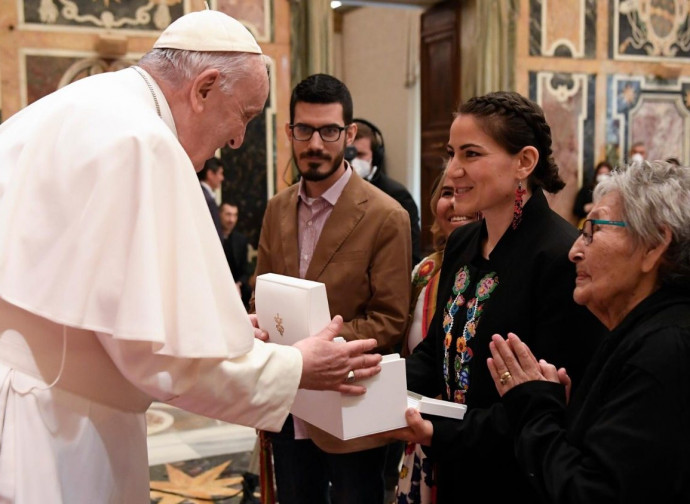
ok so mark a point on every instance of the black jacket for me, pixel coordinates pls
(236, 248)
(397, 191)
(627, 433)
(213, 208)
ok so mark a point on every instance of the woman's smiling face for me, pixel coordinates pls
(446, 216)
(482, 172)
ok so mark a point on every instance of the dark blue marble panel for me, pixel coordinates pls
(101, 13)
(246, 179)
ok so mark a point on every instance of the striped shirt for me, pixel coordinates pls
(312, 214)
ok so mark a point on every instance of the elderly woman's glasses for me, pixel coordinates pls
(328, 133)
(587, 229)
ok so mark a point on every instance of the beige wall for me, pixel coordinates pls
(371, 53)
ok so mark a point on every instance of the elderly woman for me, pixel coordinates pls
(625, 436)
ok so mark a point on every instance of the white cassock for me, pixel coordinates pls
(114, 291)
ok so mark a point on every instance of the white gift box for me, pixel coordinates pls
(438, 407)
(290, 309)
(382, 408)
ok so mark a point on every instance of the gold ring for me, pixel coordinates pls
(505, 377)
(350, 377)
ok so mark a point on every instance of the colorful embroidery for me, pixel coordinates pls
(424, 271)
(458, 381)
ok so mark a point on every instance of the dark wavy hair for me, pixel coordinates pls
(515, 122)
(325, 89)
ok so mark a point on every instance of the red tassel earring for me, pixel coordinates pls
(517, 208)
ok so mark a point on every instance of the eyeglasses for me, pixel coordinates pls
(587, 229)
(328, 133)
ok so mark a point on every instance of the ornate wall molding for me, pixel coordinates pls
(652, 30)
(649, 110)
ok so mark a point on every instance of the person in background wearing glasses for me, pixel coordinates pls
(335, 227)
(623, 436)
(509, 271)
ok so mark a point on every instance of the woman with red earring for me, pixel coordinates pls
(508, 272)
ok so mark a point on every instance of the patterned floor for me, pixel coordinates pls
(194, 459)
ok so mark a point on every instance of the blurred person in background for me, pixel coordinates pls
(211, 178)
(369, 162)
(583, 200)
(236, 248)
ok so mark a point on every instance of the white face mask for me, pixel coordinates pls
(637, 158)
(602, 176)
(361, 166)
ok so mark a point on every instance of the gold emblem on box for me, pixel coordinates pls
(279, 324)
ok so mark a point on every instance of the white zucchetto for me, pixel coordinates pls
(208, 30)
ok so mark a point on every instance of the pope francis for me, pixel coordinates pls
(114, 290)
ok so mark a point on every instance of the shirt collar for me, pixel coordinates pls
(331, 194)
(206, 186)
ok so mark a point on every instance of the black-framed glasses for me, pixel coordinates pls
(328, 133)
(587, 229)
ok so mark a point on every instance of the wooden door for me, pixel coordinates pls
(440, 96)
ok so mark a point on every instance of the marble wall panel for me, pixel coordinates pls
(650, 30)
(250, 173)
(651, 111)
(568, 101)
(45, 71)
(254, 14)
(246, 179)
(563, 29)
(250, 170)
(105, 14)
(137, 15)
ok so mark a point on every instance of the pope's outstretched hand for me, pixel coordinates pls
(326, 364)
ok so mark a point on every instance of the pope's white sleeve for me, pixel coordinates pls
(256, 389)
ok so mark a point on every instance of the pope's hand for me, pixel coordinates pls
(326, 364)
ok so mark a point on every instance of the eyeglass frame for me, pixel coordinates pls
(588, 237)
(314, 130)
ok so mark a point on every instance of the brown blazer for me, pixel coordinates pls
(363, 257)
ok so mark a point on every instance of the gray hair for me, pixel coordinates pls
(176, 66)
(656, 195)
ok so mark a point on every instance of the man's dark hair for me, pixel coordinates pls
(213, 165)
(322, 88)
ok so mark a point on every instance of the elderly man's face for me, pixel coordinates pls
(609, 270)
(218, 119)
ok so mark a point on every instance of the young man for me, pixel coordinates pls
(113, 285)
(369, 164)
(336, 228)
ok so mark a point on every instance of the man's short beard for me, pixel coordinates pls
(313, 175)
